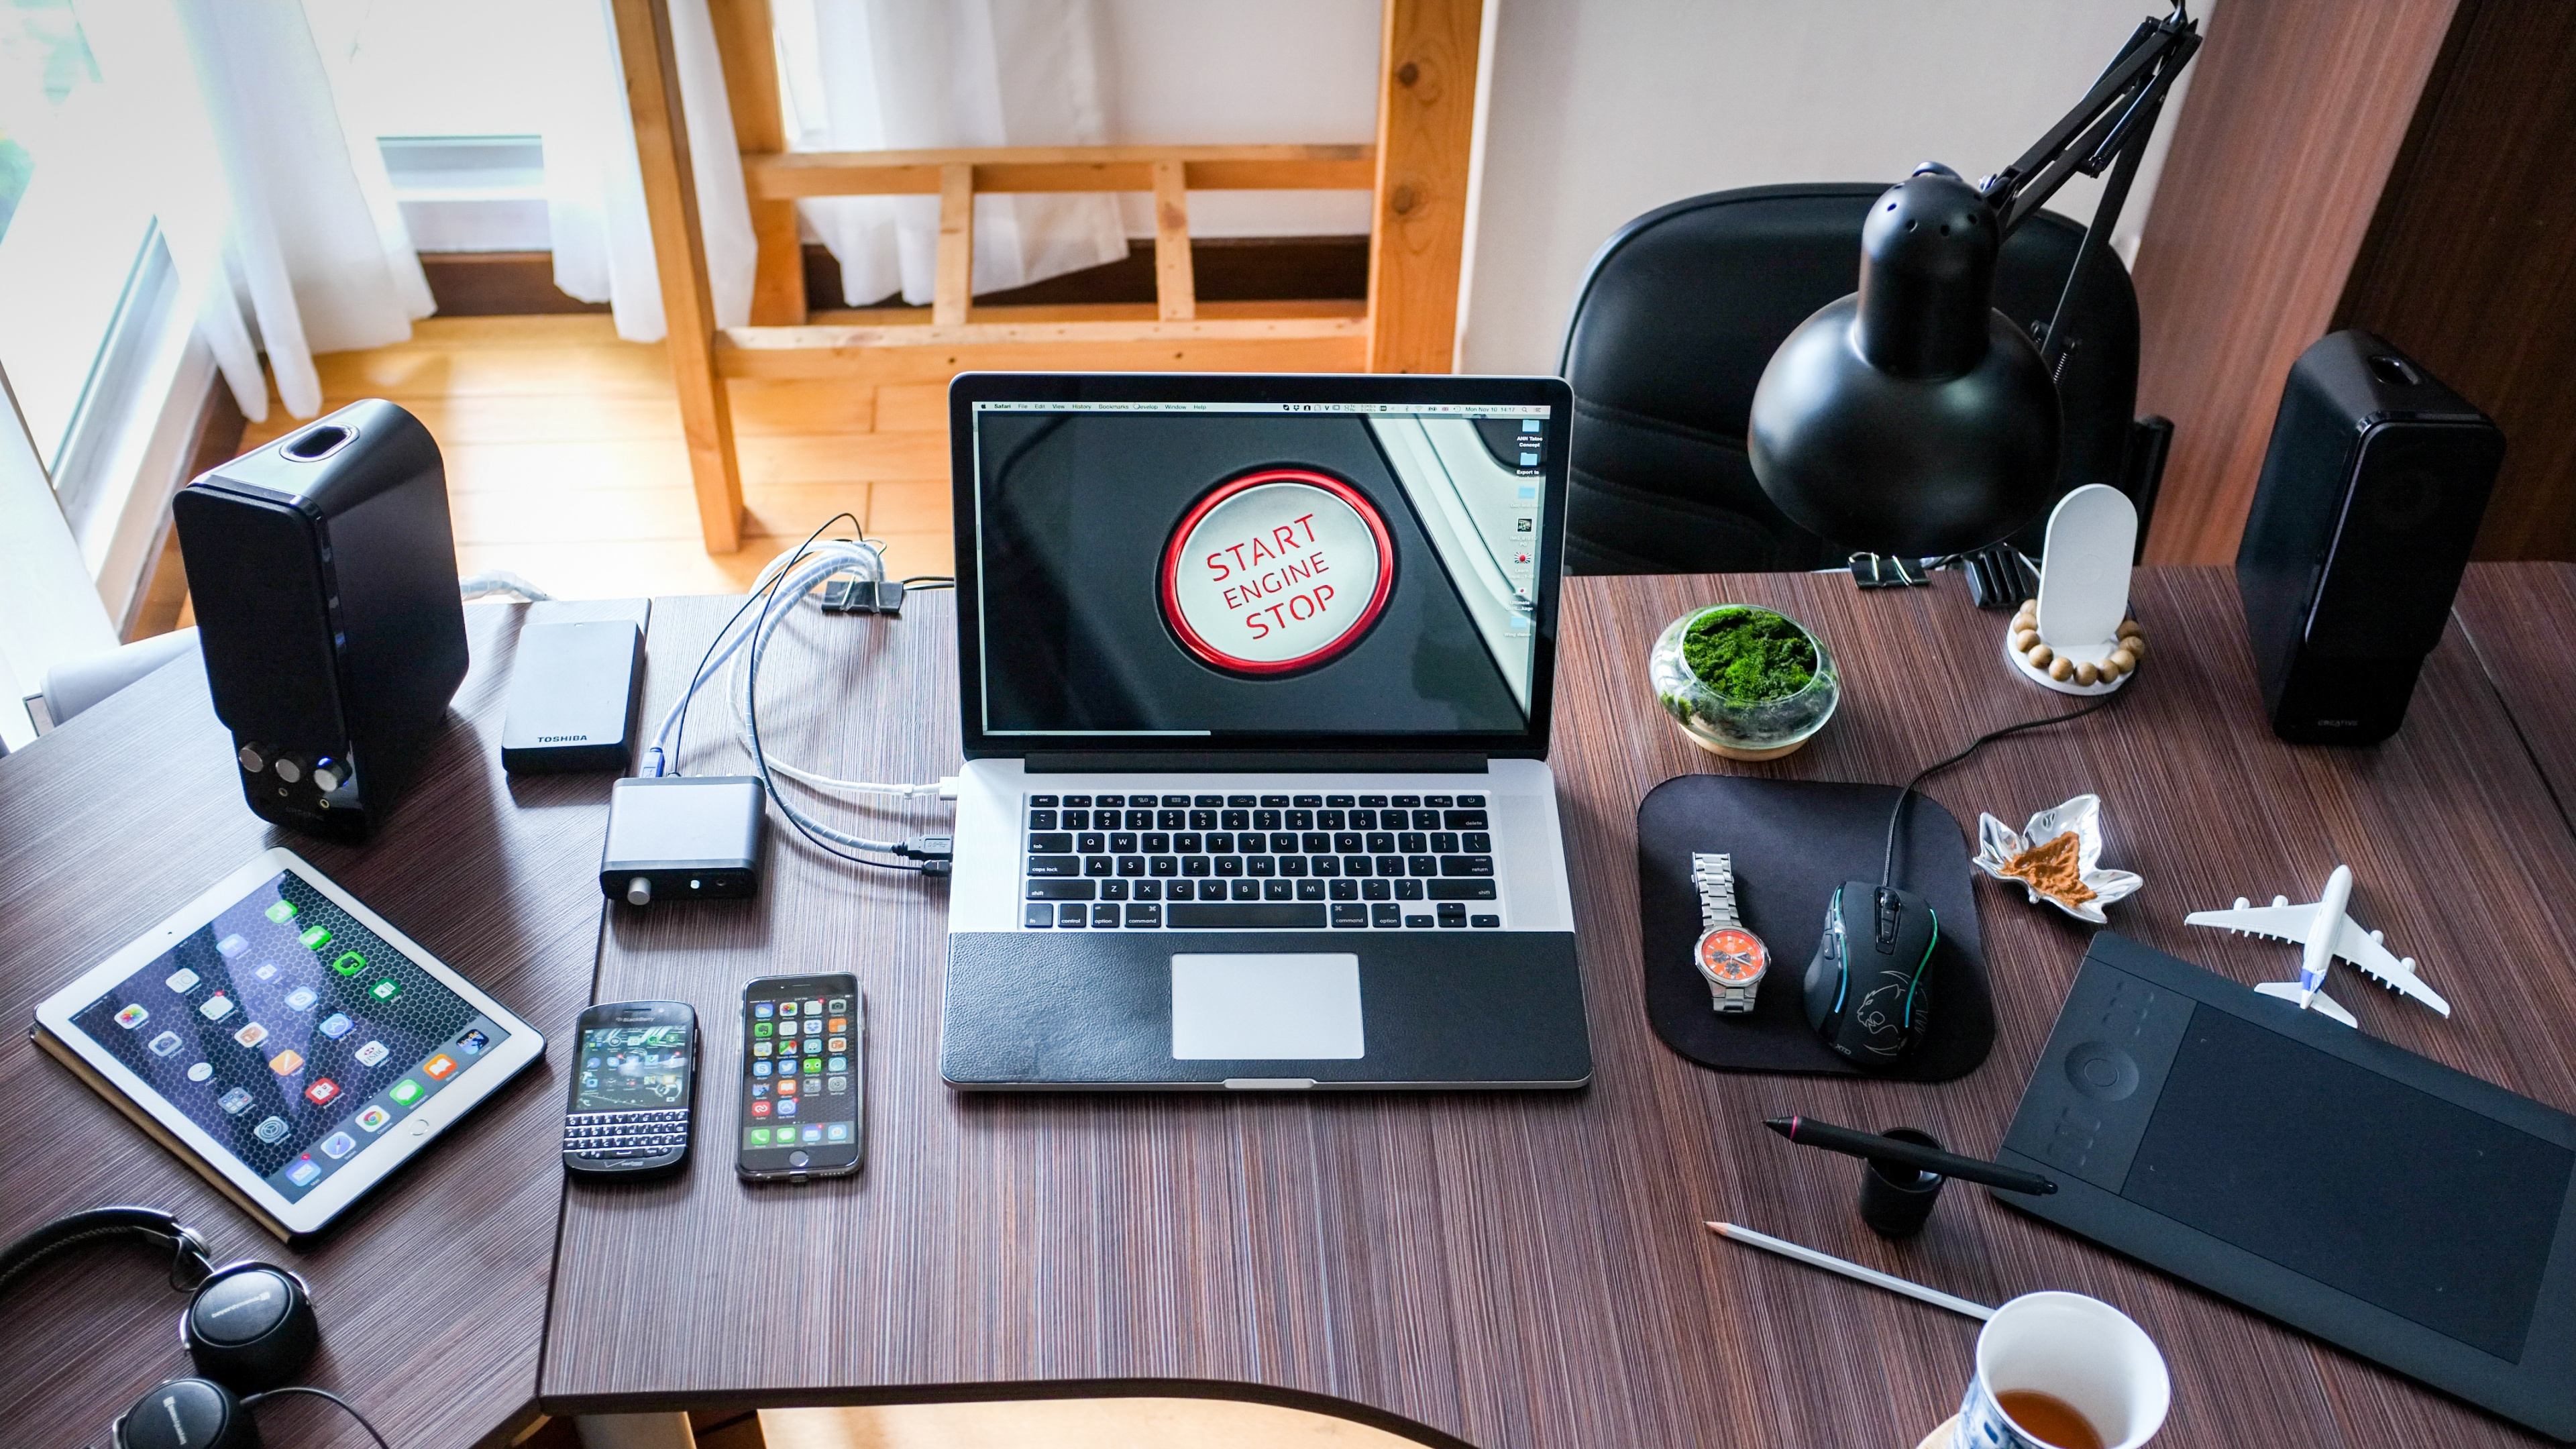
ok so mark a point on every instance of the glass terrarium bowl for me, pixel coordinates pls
(1764, 731)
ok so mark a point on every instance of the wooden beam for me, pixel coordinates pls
(1024, 313)
(1426, 125)
(1060, 169)
(953, 288)
(936, 353)
(680, 256)
(1175, 293)
(749, 49)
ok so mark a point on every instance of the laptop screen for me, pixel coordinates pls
(1222, 568)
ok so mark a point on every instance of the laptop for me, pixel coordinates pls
(1255, 675)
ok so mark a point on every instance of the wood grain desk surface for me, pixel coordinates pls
(1530, 1269)
(432, 1292)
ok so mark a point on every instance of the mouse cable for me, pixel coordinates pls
(251, 1399)
(1887, 864)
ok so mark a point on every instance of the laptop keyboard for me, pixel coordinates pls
(1146, 862)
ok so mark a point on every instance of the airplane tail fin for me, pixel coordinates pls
(2289, 991)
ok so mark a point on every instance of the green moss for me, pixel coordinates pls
(1748, 656)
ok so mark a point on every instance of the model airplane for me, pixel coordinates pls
(2326, 932)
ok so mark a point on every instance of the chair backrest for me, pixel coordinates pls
(1682, 309)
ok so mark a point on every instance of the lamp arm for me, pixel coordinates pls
(2088, 137)
(2108, 129)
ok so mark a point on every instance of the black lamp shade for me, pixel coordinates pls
(1911, 418)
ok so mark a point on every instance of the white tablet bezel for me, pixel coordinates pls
(379, 1158)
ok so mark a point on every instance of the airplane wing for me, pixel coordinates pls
(2363, 950)
(2281, 923)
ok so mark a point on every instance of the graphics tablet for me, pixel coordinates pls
(2413, 1214)
(287, 1039)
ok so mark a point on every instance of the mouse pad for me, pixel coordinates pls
(1794, 841)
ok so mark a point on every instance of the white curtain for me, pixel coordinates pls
(285, 236)
(868, 75)
(602, 239)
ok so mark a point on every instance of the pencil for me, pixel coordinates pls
(1832, 1264)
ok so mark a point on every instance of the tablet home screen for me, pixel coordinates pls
(289, 1032)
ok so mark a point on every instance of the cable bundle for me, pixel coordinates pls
(740, 644)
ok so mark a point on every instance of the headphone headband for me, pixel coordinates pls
(151, 1224)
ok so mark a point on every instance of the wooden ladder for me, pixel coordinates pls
(1417, 172)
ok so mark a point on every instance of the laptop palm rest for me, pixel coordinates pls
(1246, 1006)
(1040, 1009)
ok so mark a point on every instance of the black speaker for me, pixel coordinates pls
(2370, 500)
(323, 571)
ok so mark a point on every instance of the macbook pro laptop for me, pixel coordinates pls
(1256, 675)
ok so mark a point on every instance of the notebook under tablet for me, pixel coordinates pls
(1256, 678)
(287, 1041)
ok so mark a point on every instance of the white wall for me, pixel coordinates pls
(1243, 73)
(1606, 109)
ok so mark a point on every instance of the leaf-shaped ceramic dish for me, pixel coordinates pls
(1997, 844)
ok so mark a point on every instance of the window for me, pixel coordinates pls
(71, 239)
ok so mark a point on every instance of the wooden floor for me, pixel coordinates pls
(565, 466)
(565, 463)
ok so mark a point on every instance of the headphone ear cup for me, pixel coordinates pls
(187, 1414)
(250, 1327)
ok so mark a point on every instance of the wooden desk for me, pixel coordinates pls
(432, 1292)
(1530, 1269)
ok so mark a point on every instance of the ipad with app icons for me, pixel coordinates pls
(288, 1039)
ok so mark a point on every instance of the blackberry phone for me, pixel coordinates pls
(635, 1067)
(802, 1044)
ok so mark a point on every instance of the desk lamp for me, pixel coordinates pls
(1912, 418)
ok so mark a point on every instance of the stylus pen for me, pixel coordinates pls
(1832, 1264)
(1808, 1132)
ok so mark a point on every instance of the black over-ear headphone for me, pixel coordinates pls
(248, 1327)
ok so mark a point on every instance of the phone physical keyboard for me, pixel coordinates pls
(1201, 862)
(650, 1133)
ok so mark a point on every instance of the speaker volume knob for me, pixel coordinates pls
(288, 770)
(326, 778)
(252, 761)
(639, 892)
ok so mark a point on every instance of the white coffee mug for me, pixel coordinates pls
(2080, 1350)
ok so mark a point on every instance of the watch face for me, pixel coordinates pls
(1733, 955)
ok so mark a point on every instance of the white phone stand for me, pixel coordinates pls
(2083, 590)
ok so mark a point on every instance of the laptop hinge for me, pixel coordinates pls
(1255, 762)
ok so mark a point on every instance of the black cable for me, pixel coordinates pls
(323, 1394)
(751, 713)
(680, 731)
(1887, 864)
(928, 581)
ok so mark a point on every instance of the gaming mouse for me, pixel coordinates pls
(1869, 989)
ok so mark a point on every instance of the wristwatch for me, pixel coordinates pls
(1729, 956)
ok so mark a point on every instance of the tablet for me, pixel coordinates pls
(2411, 1213)
(288, 1038)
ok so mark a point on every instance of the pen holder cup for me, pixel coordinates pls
(1896, 1200)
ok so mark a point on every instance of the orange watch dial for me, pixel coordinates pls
(1733, 955)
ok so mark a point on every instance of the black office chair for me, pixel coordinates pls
(1684, 306)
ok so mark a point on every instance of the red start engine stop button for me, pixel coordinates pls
(1276, 571)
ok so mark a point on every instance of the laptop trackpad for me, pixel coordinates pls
(1252, 1007)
